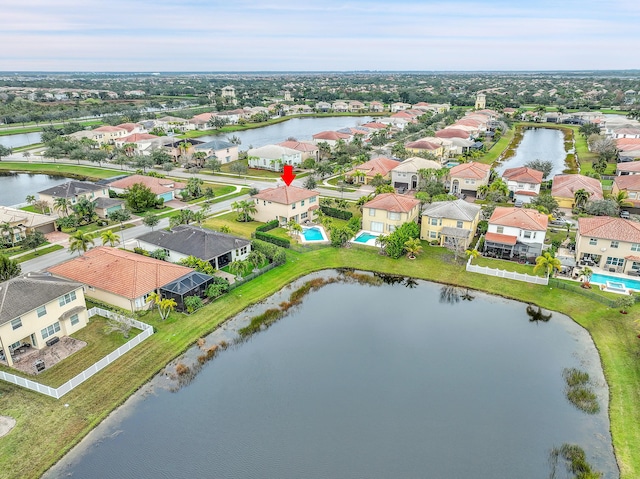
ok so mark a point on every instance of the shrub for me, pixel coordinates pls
(283, 242)
(193, 303)
(336, 213)
(268, 226)
(141, 251)
(274, 254)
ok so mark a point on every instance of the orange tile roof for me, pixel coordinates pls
(392, 202)
(376, 166)
(523, 218)
(606, 227)
(137, 137)
(331, 135)
(472, 169)
(119, 272)
(375, 124)
(565, 186)
(285, 195)
(157, 185)
(452, 133)
(299, 145)
(627, 182)
(128, 126)
(500, 238)
(422, 145)
(523, 174)
(629, 166)
(109, 128)
(628, 144)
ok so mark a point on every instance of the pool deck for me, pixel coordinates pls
(371, 242)
(615, 277)
(324, 240)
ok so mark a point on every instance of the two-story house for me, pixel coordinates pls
(218, 249)
(273, 157)
(388, 211)
(367, 171)
(451, 223)
(523, 182)
(609, 243)
(468, 177)
(72, 191)
(285, 203)
(629, 184)
(24, 222)
(224, 151)
(36, 308)
(406, 175)
(516, 232)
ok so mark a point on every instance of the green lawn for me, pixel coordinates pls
(46, 429)
(496, 150)
(40, 252)
(237, 228)
(226, 168)
(71, 171)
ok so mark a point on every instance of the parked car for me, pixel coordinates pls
(518, 204)
(625, 214)
(559, 222)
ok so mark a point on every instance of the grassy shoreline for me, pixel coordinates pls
(51, 430)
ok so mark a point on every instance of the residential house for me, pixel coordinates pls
(24, 222)
(516, 232)
(523, 182)
(109, 134)
(307, 149)
(273, 157)
(118, 277)
(367, 171)
(405, 175)
(140, 143)
(224, 151)
(451, 223)
(628, 168)
(164, 188)
(36, 308)
(468, 177)
(172, 123)
(234, 116)
(323, 106)
(72, 191)
(105, 206)
(356, 106)
(388, 211)
(453, 133)
(609, 243)
(330, 137)
(629, 184)
(399, 106)
(376, 106)
(340, 106)
(627, 131)
(132, 128)
(425, 146)
(181, 150)
(286, 203)
(564, 188)
(182, 241)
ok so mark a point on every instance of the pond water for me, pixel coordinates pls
(544, 144)
(366, 381)
(298, 128)
(20, 139)
(14, 187)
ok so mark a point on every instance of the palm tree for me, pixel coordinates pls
(63, 205)
(581, 197)
(256, 259)
(238, 267)
(109, 237)
(164, 305)
(472, 253)
(7, 231)
(30, 199)
(80, 241)
(548, 263)
(621, 199)
(413, 247)
(244, 208)
(381, 242)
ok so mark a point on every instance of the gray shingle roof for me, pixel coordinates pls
(107, 202)
(455, 210)
(194, 241)
(28, 292)
(215, 145)
(70, 189)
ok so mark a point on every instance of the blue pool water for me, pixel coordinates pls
(628, 283)
(364, 237)
(451, 164)
(312, 234)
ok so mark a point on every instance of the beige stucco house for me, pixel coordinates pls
(285, 203)
(609, 243)
(273, 157)
(388, 211)
(25, 222)
(451, 223)
(468, 177)
(35, 309)
(73, 191)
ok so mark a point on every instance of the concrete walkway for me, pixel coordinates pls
(6, 424)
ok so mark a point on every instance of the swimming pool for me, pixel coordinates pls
(451, 164)
(364, 237)
(313, 234)
(628, 282)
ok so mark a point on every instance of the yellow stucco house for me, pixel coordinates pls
(285, 203)
(609, 243)
(451, 223)
(35, 309)
(388, 211)
(564, 189)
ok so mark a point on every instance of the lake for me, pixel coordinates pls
(365, 381)
(14, 187)
(20, 139)
(299, 128)
(539, 144)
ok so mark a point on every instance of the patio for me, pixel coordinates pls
(24, 358)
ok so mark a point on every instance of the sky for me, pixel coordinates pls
(310, 35)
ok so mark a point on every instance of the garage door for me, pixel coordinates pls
(377, 227)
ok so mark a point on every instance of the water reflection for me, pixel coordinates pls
(537, 315)
(397, 279)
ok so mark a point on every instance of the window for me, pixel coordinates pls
(436, 221)
(527, 234)
(391, 227)
(243, 250)
(74, 320)
(593, 242)
(42, 310)
(50, 330)
(16, 323)
(433, 234)
(293, 206)
(372, 212)
(615, 244)
(532, 186)
(520, 186)
(302, 203)
(460, 224)
(635, 247)
(304, 215)
(500, 229)
(394, 216)
(312, 199)
(67, 298)
(614, 261)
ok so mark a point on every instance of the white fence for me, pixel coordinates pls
(501, 273)
(147, 330)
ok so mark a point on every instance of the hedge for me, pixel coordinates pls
(336, 213)
(275, 254)
(285, 243)
(268, 226)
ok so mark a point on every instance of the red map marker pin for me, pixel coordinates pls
(288, 175)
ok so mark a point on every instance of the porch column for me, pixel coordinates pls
(7, 354)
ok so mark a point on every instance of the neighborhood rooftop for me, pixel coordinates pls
(285, 195)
